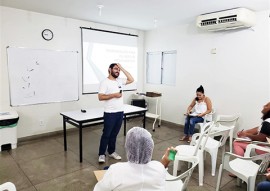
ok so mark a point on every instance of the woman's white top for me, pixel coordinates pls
(108, 86)
(127, 176)
(200, 107)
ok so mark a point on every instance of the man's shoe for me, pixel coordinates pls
(101, 158)
(115, 156)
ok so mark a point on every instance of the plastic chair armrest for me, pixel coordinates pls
(254, 146)
(260, 143)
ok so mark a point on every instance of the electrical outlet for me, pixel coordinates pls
(41, 123)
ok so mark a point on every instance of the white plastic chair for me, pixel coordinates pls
(224, 122)
(212, 145)
(196, 148)
(7, 186)
(246, 168)
(207, 118)
(176, 183)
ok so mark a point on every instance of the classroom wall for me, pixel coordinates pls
(1, 76)
(20, 28)
(236, 78)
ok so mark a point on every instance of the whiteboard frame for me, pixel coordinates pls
(78, 96)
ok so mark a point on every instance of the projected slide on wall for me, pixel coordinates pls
(97, 56)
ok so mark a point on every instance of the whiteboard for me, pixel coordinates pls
(42, 76)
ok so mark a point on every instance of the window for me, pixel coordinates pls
(161, 68)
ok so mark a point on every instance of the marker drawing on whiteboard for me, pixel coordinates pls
(24, 79)
(29, 70)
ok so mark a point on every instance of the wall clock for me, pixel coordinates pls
(47, 34)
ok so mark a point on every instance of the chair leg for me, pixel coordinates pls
(251, 184)
(213, 155)
(238, 181)
(201, 169)
(175, 167)
(223, 152)
(231, 140)
(219, 177)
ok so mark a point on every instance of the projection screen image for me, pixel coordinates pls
(100, 52)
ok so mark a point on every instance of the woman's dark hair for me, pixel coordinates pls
(265, 116)
(200, 89)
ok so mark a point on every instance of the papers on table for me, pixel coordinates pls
(99, 174)
(192, 114)
(244, 139)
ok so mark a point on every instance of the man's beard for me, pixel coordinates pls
(115, 75)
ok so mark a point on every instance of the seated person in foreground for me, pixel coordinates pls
(201, 105)
(255, 134)
(139, 173)
(265, 185)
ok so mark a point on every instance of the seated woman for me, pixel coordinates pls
(139, 173)
(201, 105)
(255, 134)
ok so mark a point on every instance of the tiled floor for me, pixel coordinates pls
(42, 165)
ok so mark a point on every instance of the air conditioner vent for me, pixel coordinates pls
(208, 22)
(227, 19)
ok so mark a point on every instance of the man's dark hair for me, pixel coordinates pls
(265, 116)
(112, 65)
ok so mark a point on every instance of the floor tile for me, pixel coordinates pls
(52, 166)
(11, 172)
(32, 188)
(36, 150)
(80, 180)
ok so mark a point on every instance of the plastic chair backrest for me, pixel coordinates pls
(200, 145)
(227, 120)
(224, 133)
(265, 162)
(187, 174)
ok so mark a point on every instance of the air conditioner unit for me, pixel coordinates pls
(227, 19)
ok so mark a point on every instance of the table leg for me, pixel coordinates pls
(125, 125)
(80, 142)
(144, 120)
(65, 133)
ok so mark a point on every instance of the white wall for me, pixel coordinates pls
(236, 78)
(21, 28)
(1, 76)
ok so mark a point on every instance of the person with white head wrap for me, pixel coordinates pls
(139, 173)
(139, 146)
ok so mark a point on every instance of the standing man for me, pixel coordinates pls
(110, 91)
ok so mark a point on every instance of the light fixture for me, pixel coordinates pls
(100, 8)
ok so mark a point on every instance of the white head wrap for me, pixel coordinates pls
(139, 145)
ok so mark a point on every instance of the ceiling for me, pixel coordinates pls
(137, 14)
